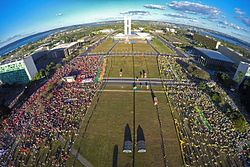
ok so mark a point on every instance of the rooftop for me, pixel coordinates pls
(65, 45)
(215, 55)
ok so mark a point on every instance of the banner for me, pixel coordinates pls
(87, 80)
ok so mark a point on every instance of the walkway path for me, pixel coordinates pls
(131, 91)
(152, 81)
(76, 154)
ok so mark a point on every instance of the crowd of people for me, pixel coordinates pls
(207, 136)
(52, 113)
(171, 69)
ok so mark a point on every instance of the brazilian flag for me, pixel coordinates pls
(134, 86)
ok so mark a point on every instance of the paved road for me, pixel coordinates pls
(131, 91)
(143, 81)
(179, 53)
(82, 160)
(76, 154)
(131, 54)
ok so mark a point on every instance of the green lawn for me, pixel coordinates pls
(122, 47)
(126, 64)
(106, 129)
(143, 48)
(73, 162)
(104, 47)
(160, 47)
(138, 47)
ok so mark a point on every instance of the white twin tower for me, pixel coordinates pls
(127, 25)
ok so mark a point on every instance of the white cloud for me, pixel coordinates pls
(194, 20)
(238, 11)
(241, 15)
(153, 6)
(192, 7)
(177, 15)
(136, 12)
(59, 14)
(246, 21)
(227, 24)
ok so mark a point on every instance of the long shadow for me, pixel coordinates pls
(115, 156)
(127, 133)
(140, 134)
(141, 146)
(127, 144)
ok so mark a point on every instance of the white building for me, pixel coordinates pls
(107, 31)
(68, 48)
(159, 31)
(172, 30)
(127, 25)
(19, 71)
(128, 36)
(217, 45)
(243, 71)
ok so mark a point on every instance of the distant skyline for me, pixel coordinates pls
(21, 18)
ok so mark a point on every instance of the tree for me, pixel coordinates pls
(225, 79)
(198, 73)
(240, 76)
(52, 64)
(42, 73)
(37, 76)
(216, 97)
(58, 65)
(202, 85)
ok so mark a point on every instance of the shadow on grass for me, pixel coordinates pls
(140, 134)
(141, 145)
(115, 156)
(127, 133)
(127, 144)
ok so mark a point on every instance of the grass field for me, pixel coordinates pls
(143, 48)
(104, 47)
(160, 47)
(72, 161)
(122, 47)
(138, 47)
(106, 130)
(126, 64)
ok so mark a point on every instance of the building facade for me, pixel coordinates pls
(236, 57)
(127, 25)
(243, 71)
(18, 72)
(128, 37)
(211, 58)
(67, 48)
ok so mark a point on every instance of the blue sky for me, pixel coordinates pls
(20, 18)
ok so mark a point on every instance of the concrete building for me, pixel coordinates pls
(84, 39)
(243, 71)
(42, 57)
(159, 31)
(68, 48)
(19, 71)
(107, 31)
(218, 43)
(236, 57)
(211, 58)
(172, 30)
(127, 25)
(128, 36)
